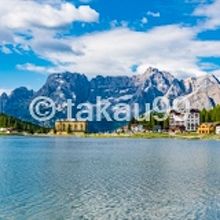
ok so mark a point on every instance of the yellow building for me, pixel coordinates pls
(206, 128)
(63, 127)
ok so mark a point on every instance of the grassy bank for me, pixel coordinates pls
(187, 136)
(190, 136)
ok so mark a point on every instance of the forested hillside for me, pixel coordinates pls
(212, 115)
(20, 126)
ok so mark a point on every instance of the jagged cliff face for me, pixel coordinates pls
(114, 89)
(203, 92)
(17, 104)
(154, 83)
(61, 87)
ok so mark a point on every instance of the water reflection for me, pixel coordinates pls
(62, 178)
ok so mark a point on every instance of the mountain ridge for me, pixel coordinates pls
(201, 92)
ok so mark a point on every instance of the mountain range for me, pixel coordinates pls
(202, 92)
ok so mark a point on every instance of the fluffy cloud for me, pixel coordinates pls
(7, 91)
(24, 14)
(144, 20)
(21, 20)
(4, 49)
(153, 14)
(32, 68)
(211, 13)
(173, 48)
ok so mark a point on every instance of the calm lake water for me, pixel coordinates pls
(67, 178)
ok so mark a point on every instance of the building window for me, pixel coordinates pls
(76, 127)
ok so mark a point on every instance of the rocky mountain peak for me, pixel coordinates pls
(154, 79)
(203, 82)
(63, 86)
(22, 93)
(203, 92)
(144, 88)
(4, 95)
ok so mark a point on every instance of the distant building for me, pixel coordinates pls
(3, 129)
(63, 127)
(124, 129)
(135, 128)
(157, 128)
(206, 128)
(6, 130)
(217, 130)
(184, 121)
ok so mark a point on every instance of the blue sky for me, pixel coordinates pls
(39, 37)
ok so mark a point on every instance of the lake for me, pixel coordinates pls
(73, 178)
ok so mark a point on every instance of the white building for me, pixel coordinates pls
(137, 128)
(185, 121)
(217, 130)
(6, 130)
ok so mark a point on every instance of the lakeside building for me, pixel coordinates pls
(136, 128)
(124, 129)
(217, 130)
(184, 121)
(206, 128)
(157, 129)
(64, 127)
(6, 130)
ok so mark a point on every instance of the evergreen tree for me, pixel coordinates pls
(20, 126)
(212, 115)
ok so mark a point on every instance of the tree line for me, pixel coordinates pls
(20, 126)
(152, 123)
(212, 115)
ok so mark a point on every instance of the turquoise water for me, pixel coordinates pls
(62, 178)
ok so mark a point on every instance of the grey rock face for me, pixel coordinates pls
(17, 104)
(203, 92)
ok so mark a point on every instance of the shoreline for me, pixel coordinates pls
(183, 136)
(159, 136)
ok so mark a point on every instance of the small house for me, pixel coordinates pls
(206, 128)
(217, 130)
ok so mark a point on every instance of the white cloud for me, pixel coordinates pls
(24, 14)
(4, 49)
(211, 13)
(37, 19)
(116, 23)
(40, 69)
(144, 20)
(153, 14)
(173, 48)
(32, 68)
(196, 1)
(7, 91)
